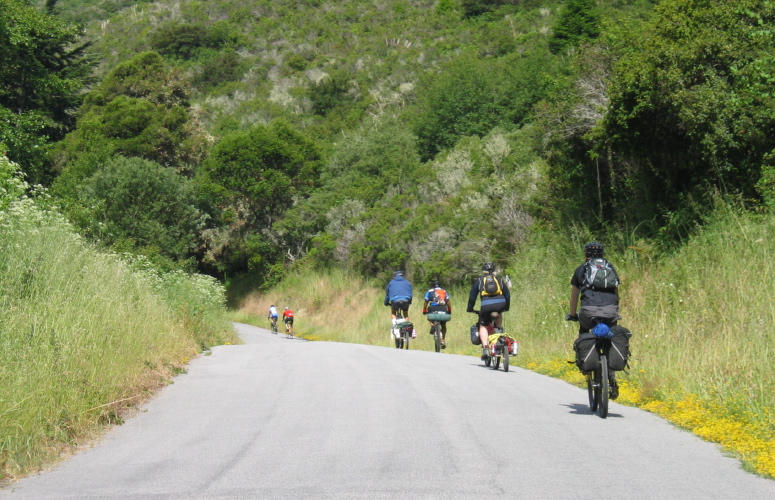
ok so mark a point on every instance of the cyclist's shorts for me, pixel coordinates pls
(273, 317)
(400, 305)
(288, 320)
(485, 317)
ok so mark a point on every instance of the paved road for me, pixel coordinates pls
(281, 418)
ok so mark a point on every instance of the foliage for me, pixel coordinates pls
(139, 109)
(472, 96)
(578, 21)
(691, 101)
(42, 72)
(140, 206)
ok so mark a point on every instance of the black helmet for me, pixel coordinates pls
(488, 267)
(593, 250)
(434, 283)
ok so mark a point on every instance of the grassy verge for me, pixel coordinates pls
(702, 322)
(83, 334)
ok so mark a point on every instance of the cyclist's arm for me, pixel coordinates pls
(574, 299)
(472, 297)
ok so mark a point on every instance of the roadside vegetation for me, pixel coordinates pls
(84, 334)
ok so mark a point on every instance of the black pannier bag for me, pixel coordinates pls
(475, 339)
(586, 354)
(619, 354)
(405, 329)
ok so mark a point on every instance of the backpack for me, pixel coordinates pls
(490, 286)
(600, 275)
(439, 296)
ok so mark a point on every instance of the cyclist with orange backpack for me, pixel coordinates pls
(437, 300)
(495, 300)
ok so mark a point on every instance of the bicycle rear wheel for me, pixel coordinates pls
(603, 406)
(437, 336)
(505, 358)
(496, 362)
(406, 342)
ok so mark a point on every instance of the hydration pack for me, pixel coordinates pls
(490, 286)
(439, 296)
(599, 274)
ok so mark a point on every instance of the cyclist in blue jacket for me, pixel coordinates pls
(398, 295)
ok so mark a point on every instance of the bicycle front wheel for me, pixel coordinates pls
(437, 336)
(591, 391)
(603, 406)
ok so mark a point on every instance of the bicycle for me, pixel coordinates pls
(500, 346)
(405, 331)
(598, 381)
(288, 330)
(437, 318)
(274, 325)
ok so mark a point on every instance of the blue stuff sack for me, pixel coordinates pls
(603, 331)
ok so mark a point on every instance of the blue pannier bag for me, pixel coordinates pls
(603, 331)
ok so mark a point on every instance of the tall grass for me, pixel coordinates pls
(703, 323)
(83, 333)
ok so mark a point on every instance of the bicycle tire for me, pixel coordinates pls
(597, 389)
(604, 387)
(591, 392)
(487, 361)
(437, 336)
(406, 343)
(496, 362)
(398, 343)
(505, 358)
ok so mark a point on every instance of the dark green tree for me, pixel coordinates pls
(578, 21)
(264, 168)
(140, 206)
(42, 70)
(140, 109)
(692, 103)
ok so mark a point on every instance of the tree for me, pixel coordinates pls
(264, 168)
(42, 72)
(578, 21)
(139, 205)
(139, 109)
(692, 102)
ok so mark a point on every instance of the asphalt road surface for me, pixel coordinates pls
(286, 418)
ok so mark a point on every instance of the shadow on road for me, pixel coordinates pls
(582, 409)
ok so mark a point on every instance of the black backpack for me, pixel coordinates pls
(599, 274)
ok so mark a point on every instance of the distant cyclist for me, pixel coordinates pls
(495, 298)
(288, 320)
(273, 315)
(596, 282)
(398, 295)
(437, 300)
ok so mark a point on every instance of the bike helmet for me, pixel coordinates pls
(488, 267)
(398, 273)
(434, 283)
(593, 250)
(287, 308)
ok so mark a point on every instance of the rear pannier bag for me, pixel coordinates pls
(586, 354)
(405, 328)
(619, 353)
(475, 339)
